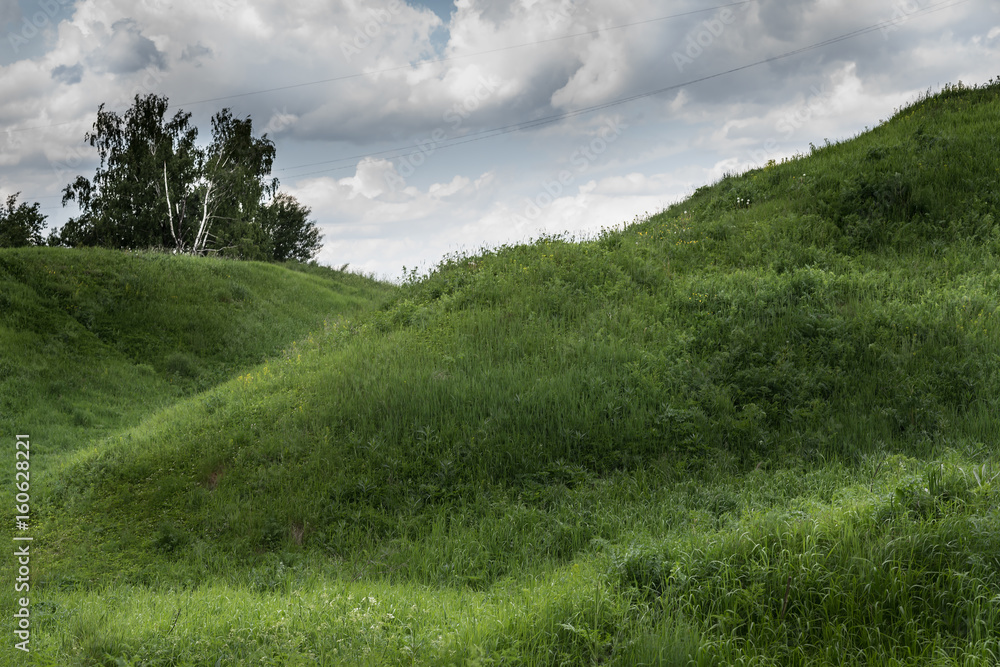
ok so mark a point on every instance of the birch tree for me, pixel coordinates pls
(155, 187)
(142, 193)
(237, 186)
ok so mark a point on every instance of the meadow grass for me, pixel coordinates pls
(95, 339)
(757, 428)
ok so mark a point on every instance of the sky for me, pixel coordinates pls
(416, 130)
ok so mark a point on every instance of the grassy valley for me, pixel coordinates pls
(759, 427)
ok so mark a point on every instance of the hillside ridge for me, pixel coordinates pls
(767, 411)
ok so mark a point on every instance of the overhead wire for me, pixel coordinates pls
(489, 133)
(421, 62)
(470, 55)
(415, 149)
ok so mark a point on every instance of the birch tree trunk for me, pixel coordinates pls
(179, 245)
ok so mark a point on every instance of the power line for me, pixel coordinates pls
(422, 62)
(525, 125)
(471, 55)
(506, 129)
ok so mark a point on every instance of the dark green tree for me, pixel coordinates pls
(292, 234)
(235, 185)
(20, 225)
(156, 187)
(143, 193)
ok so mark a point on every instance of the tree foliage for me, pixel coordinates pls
(156, 187)
(287, 226)
(21, 225)
(144, 158)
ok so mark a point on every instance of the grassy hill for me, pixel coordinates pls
(759, 427)
(94, 339)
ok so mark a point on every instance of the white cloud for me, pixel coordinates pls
(635, 183)
(127, 50)
(444, 190)
(599, 76)
(370, 179)
(386, 213)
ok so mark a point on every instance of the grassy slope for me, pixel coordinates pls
(761, 431)
(94, 340)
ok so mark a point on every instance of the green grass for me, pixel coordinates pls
(95, 339)
(758, 428)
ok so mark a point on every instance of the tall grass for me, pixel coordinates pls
(756, 428)
(93, 339)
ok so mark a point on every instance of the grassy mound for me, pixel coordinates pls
(757, 427)
(98, 338)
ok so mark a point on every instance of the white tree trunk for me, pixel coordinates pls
(170, 215)
(202, 237)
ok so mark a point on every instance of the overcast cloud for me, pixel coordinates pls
(363, 100)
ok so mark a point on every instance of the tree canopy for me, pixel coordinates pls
(156, 187)
(20, 225)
